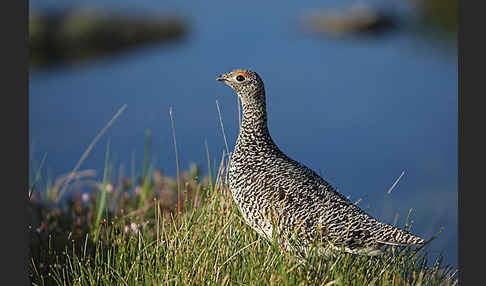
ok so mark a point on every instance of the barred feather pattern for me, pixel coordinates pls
(281, 198)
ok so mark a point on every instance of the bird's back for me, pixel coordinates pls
(275, 192)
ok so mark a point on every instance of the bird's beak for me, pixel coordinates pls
(221, 78)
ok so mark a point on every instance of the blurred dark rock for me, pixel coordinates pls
(73, 35)
(435, 19)
(356, 19)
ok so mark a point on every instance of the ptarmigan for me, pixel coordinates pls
(281, 198)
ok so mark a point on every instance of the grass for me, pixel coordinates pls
(146, 241)
(159, 230)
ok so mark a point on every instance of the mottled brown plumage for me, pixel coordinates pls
(276, 193)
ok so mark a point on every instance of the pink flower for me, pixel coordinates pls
(109, 188)
(134, 227)
(138, 190)
(85, 197)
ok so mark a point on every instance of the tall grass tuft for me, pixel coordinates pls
(101, 202)
(146, 170)
(208, 243)
(188, 231)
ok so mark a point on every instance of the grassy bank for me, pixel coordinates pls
(159, 231)
(74, 35)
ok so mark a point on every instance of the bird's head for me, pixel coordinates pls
(246, 83)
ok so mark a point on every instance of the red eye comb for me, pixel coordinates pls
(242, 73)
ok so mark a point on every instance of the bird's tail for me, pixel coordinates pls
(390, 235)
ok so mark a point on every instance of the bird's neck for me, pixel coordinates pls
(254, 129)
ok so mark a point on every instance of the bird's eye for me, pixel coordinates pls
(240, 78)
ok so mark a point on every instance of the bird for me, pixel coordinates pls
(282, 199)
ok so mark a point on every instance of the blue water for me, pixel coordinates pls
(358, 110)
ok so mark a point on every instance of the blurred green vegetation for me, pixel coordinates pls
(192, 237)
(183, 231)
(439, 14)
(76, 34)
